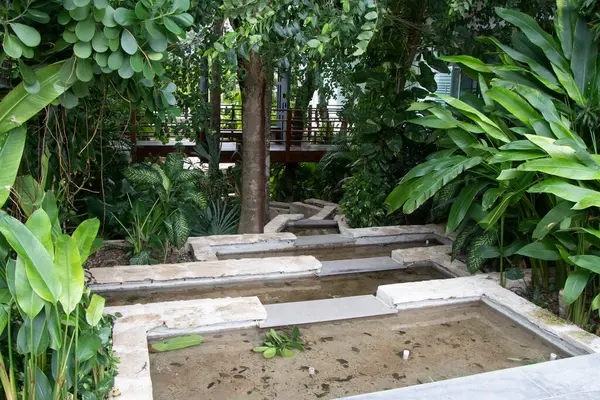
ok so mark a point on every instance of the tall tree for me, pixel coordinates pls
(265, 34)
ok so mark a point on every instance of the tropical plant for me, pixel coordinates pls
(176, 189)
(525, 157)
(218, 218)
(55, 343)
(280, 343)
(364, 197)
(145, 232)
(215, 184)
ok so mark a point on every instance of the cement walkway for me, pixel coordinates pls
(576, 378)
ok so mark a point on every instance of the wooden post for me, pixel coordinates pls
(288, 133)
(309, 125)
(133, 135)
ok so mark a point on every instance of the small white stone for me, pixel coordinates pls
(405, 354)
(311, 371)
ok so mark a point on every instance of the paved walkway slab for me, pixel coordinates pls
(307, 312)
(322, 240)
(358, 265)
(206, 270)
(576, 378)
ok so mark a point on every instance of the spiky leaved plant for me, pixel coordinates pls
(177, 190)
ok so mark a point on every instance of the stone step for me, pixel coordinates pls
(358, 265)
(322, 240)
(170, 275)
(308, 312)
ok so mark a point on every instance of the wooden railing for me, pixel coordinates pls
(291, 129)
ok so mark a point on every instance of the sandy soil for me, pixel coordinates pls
(350, 357)
(284, 291)
(113, 256)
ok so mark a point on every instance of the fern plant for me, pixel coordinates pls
(177, 193)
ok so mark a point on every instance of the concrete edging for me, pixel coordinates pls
(280, 222)
(131, 331)
(485, 287)
(130, 277)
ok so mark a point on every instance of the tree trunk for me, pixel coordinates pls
(253, 88)
(215, 77)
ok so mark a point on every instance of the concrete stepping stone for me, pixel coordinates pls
(308, 312)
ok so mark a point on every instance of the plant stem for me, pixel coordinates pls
(502, 283)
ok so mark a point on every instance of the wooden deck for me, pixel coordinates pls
(230, 151)
(294, 138)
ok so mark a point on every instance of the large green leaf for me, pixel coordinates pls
(400, 194)
(505, 156)
(554, 150)
(567, 80)
(180, 342)
(536, 35)
(471, 62)
(49, 205)
(28, 300)
(29, 194)
(494, 215)
(428, 166)
(585, 56)
(514, 104)
(40, 341)
(544, 103)
(574, 286)
(93, 314)
(589, 262)
(40, 267)
(490, 127)
(430, 184)
(39, 224)
(70, 272)
(10, 159)
(462, 204)
(561, 167)
(43, 387)
(4, 308)
(564, 24)
(541, 251)
(84, 235)
(88, 347)
(54, 327)
(552, 218)
(490, 196)
(591, 200)
(19, 105)
(562, 189)
(543, 74)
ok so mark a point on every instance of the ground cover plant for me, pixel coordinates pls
(280, 344)
(524, 157)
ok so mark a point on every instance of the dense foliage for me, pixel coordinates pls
(525, 157)
(55, 341)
